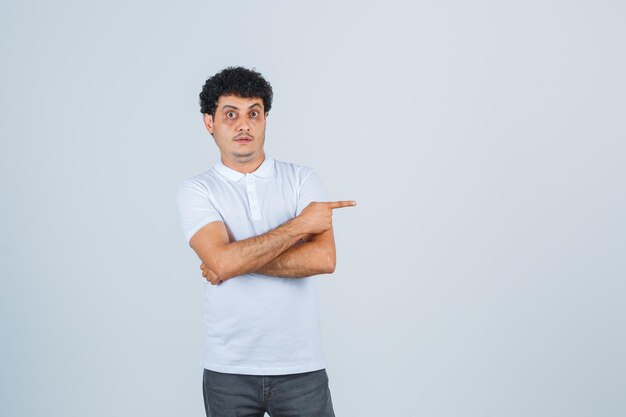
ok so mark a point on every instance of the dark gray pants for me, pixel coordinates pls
(296, 395)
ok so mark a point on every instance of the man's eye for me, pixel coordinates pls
(231, 115)
(254, 113)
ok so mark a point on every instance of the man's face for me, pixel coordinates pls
(238, 128)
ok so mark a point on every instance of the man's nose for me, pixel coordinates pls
(244, 125)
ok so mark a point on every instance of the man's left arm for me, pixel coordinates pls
(314, 256)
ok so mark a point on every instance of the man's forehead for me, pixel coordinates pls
(239, 102)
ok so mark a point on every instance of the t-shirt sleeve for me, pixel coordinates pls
(310, 190)
(195, 207)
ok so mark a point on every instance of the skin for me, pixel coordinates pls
(300, 247)
(237, 117)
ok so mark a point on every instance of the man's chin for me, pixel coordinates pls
(247, 155)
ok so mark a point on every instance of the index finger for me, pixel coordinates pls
(340, 204)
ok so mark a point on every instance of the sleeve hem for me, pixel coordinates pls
(203, 223)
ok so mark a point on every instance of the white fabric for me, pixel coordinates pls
(256, 324)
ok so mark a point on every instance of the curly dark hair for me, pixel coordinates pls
(237, 81)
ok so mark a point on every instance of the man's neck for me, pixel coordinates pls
(244, 167)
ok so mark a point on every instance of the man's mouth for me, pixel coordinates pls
(243, 139)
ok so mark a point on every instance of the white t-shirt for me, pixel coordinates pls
(256, 324)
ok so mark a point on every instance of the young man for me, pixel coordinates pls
(261, 229)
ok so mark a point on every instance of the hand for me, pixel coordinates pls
(317, 216)
(209, 275)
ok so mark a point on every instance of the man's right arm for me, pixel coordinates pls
(229, 259)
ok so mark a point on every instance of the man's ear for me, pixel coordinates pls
(208, 123)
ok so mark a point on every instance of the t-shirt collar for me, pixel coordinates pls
(265, 170)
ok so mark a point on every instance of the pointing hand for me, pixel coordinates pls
(317, 216)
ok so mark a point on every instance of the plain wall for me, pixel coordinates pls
(481, 274)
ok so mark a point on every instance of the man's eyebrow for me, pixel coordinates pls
(230, 106)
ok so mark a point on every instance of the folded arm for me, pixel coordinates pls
(229, 259)
(314, 256)
(275, 252)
